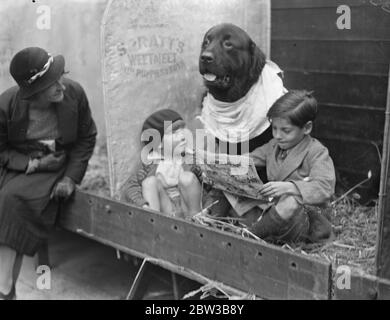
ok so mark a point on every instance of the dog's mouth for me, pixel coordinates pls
(221, 81)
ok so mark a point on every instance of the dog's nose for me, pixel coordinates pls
(207, 57)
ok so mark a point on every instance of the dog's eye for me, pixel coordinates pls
(206, 42)
(228, 44)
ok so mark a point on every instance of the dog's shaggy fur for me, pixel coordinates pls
(230, 62)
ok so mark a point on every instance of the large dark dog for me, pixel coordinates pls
(230, 62)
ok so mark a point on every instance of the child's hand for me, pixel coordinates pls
(277, 188)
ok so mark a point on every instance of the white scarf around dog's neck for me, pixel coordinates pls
(245, 118)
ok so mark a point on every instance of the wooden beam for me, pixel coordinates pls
(302, 4)
(383, 238)
(308, 19)
(265, 270)
(364, 287)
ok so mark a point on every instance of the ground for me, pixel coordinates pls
(82, 269)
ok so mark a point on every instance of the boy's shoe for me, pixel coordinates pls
(320, 228)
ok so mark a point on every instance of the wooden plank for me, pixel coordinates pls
(353, 160)
(360, 58)
(340, 89)
(299, 4)
(364, 287)
(246, 265)
(359, 123)
(367, 22)
(357, 156)
(383, 237)
(352, 107)
(383, 290)
(356, 174)
(362, 157)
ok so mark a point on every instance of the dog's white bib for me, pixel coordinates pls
(245, 118)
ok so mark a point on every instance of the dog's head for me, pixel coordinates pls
(230, 62)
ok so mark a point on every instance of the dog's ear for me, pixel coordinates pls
(257, 62)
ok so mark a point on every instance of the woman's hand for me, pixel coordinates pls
(52, 162)
(278, 188)
(63, 189)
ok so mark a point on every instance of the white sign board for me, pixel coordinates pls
(150, 51)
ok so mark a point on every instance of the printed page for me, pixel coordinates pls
(234, 174)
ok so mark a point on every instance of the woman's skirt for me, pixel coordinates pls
(27, 214)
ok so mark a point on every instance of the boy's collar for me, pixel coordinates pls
(294, 158)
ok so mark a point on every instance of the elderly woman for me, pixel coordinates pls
(47, 136)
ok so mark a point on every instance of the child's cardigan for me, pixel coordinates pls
(131, 190)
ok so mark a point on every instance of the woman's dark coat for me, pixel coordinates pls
(26, 212)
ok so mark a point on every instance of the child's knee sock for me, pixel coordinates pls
(271, 226)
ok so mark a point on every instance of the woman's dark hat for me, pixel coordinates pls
(34, 70)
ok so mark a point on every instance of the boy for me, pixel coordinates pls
(166, 183)
(300, 171)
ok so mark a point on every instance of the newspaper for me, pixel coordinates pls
(235, 175)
